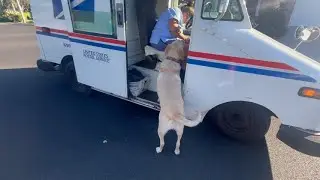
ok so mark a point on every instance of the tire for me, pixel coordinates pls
(243, 121)
(71, 79)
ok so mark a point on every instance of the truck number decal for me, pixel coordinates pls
(96, 56)
(67, 45)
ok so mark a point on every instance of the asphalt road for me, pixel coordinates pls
(48, 132)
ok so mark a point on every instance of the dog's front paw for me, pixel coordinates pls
(177, 151)
(158, 150)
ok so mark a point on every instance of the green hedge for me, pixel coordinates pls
(5, 19)
(14, 17)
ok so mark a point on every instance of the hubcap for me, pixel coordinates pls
(236, 122)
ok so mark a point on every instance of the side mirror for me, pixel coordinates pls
(306, 34)
(302, 33)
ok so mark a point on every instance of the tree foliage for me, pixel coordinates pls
(11, 5)
(15, 11)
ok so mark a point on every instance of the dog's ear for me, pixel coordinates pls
(168, 48)
(181, 53)
(182, 50)
(185, 50)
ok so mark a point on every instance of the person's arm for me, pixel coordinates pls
(176, 31)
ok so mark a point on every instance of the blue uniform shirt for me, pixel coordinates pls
(161, 30)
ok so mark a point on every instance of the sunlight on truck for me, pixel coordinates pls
(248, 61)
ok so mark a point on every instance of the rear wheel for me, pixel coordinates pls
(71, 79)
(243, 121)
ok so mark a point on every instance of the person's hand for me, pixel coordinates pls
(187, 40)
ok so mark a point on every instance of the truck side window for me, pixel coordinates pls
(93, 16)
(210, 9)
(57, 9)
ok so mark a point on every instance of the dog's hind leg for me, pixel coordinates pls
(179, 136)
(162, 130)
(161, 138)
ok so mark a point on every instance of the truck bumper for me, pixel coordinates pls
(308, 131)
(46, 65)
(304, 141)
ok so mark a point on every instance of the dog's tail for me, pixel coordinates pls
(191, 123)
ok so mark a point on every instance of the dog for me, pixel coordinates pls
(171, 116)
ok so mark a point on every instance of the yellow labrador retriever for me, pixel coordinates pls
(171, 115)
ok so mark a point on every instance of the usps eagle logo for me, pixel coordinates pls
(78, 7)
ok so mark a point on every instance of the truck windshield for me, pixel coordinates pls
(272, 17)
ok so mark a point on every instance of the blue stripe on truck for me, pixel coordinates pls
(252, 70)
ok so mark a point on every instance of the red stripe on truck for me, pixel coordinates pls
(96, 38)
(85, 36)
(240, 60)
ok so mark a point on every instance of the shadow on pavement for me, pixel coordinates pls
(49, 132)
(300, 141)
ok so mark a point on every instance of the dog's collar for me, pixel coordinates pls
(174, 59)
(168, 70)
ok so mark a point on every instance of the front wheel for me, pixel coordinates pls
(71, 78)
(243, 121)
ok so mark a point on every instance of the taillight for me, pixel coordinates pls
(309, 92)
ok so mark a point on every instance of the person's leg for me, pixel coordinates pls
(169, 41)
(184, 64)
(182, 74)
(161, 46)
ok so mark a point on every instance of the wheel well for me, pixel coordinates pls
(262, 108)
(65, 60)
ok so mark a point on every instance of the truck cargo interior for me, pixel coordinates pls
(141, 18)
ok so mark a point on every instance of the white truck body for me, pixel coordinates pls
(228, 60)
